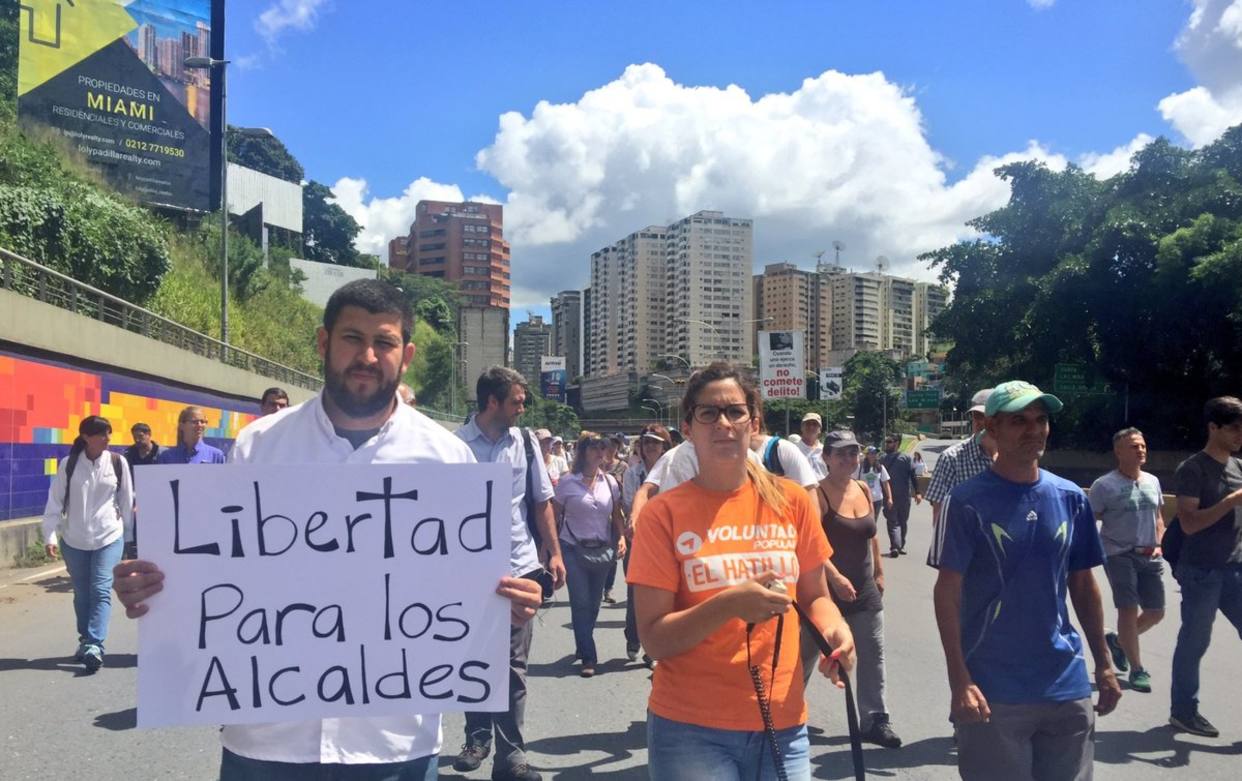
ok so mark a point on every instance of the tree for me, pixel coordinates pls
(8, 57)
(266, 154)
(868, 392)
(433, 300)
(552, 415)
(1137, 278)
(327, 230)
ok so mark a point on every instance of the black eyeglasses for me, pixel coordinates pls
(708, 414)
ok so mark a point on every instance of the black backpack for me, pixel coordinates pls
(1172, 541)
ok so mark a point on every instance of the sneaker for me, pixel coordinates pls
(1140, 681)
(609, 599)
(881, 733)
(471, 756)
(587, 671)
(894, 553)
(80, 654)
(1195, 725)
(647, 660)
(92, 657)
(516, 773)
(1119, 655)
(631, 654)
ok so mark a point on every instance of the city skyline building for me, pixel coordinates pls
(567, 330)
(462, 243)
(532, 340)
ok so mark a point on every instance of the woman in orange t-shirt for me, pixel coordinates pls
(709, 561)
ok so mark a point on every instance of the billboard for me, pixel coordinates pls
(109, 77)
(782, 372)
(553, 377)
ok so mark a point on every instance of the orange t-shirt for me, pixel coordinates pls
(696, 543)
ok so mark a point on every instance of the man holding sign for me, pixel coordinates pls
(356, 420)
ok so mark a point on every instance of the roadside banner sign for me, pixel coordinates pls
(782, 372)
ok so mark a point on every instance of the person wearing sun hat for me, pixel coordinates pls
(1013, 541)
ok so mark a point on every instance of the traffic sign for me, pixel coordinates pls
(925, 398)
(1073, 379)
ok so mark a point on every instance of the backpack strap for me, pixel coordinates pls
(529, 497)
(772, 457)
(70, 463)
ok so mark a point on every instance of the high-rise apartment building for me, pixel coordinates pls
(842, 312)
(588, 365)
(788, 298)
(567, 330)
(681, 289)
(461, 243)
(464, 244)
(532, 340)
(708, 263)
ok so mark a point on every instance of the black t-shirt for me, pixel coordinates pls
(1210, 481)
(137, 459)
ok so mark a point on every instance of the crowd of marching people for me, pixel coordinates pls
(749, 562)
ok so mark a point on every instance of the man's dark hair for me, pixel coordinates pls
(1222, 410)
(495, 383)
(143, 427)
(373, 295)
(271, 394)
(1126, 433)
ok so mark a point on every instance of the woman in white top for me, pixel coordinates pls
(88, 517)
(873, 473)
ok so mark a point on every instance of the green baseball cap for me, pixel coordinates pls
(1016, 395)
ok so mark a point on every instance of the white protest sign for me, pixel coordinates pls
(312, 591)
(782, 365)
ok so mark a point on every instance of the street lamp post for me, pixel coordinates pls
(207, 63)
(679, 358)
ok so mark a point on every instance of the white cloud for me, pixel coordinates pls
(283, 15)
(383, 219)
(1211, 46)
(841, 157)
(1041, 5)
(1108, 164)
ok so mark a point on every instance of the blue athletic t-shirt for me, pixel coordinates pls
(1015, 544)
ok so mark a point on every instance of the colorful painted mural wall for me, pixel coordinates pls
(42, 402)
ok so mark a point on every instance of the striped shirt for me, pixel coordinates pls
(954, 466)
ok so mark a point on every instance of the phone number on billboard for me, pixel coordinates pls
(144, 146)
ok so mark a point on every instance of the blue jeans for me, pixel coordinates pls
(91, 574)
(586, 589)
(235, 767)
(1204, 591)
(677, 751)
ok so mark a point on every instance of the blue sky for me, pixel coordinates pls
(889, 147)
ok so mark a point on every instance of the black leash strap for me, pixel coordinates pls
(851, 711)
(765, 704)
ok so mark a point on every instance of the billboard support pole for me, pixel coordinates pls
(224, 207)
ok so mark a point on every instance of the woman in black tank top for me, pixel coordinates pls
(857, 585)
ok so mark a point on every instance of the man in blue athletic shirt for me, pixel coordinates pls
(1017, 539)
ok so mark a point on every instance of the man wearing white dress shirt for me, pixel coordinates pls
(356, 419)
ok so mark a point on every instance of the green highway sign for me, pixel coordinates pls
(1073, 379)
(926, 398)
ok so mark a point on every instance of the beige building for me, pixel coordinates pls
(842, 312)
(532, 340)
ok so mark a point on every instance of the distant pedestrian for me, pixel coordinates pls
(615, 463)
(809, 444)
(406, 394)
(1127, 501)
(872, 472)
(902, 485)
(588, 511)
(144, 450)
(920, 467)
(550, 462)
(968, 458)
(190, 447)
(273, 400)
(713, 601)
(87, 519)
(1016, 539)
(856, 578)
(653, 442)
(1209, 568)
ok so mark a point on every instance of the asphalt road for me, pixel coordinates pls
(58, 723)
